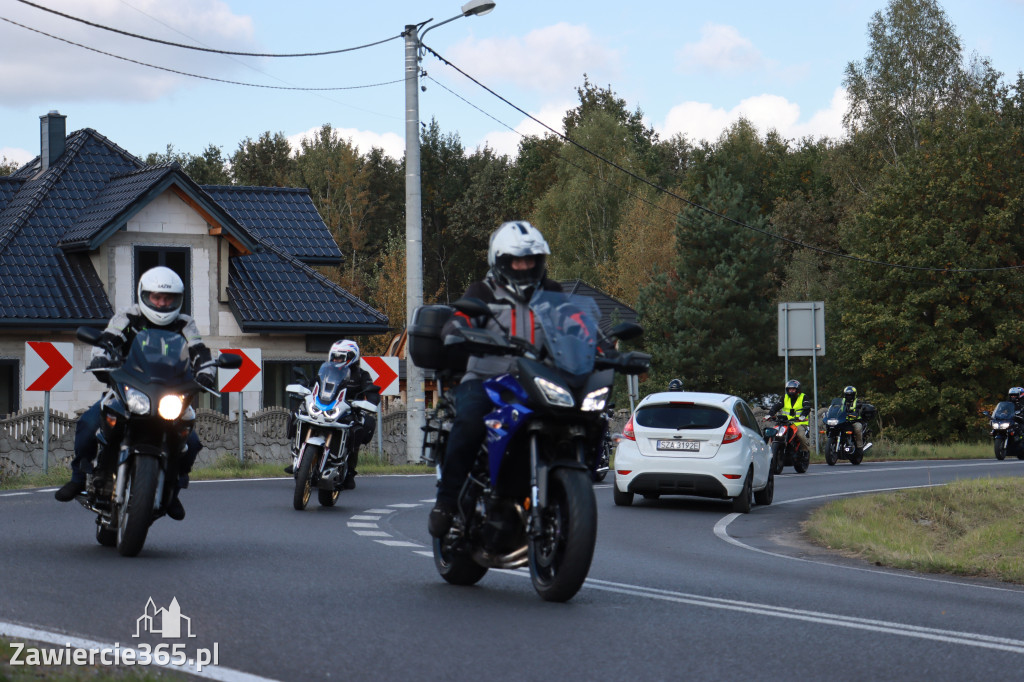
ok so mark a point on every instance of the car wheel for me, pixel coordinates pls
(766, 494)
(621, 499)
(741, 503)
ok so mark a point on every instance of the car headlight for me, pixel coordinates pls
(170, 406)
(138, 402)
(832, 422)
(553, 393)
(595, 400)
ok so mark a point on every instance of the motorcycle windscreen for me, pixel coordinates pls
(159, 356)
(331, 378)
(1004, 411)
(569, 323)
(835, 411)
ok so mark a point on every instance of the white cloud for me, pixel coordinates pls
(37, 69)
(507, 141)
(549, 59)
(720, 48)
(702, 121)
(392, 144)
(19, 156)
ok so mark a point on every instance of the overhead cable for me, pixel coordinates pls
(205, 49)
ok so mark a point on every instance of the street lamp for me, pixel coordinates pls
(415, 400)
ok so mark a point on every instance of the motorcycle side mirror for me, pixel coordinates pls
(986, 413)
(473, 307)
(627, 330)
(89, 335)
(229, 360)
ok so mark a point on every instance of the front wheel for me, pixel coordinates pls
(136, 512)
(561, 552)
(1000, 447)
(801, 461)
(457, 569)
(303, 485)
(778, 457)
(831, 456)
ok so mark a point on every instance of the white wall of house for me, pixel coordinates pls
(166, 221)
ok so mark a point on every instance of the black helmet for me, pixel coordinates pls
(849, 394)
(792, 387)
(675, 385)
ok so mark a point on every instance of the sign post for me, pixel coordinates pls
(48, 368)
(802, 333)
(384, 370)
(238, 380)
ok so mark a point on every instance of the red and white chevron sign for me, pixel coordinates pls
(48, 366)
(384, 370)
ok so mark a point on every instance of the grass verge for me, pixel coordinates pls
(969, 528)
(885, 450)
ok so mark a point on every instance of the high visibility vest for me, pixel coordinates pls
(793, 410)
(851, 411)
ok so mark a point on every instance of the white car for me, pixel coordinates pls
(704, 444)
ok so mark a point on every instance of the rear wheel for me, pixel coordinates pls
(620, 498)
(801, 461)
(831, 457)
(457, 569)
(327, 498)
(1000, 447)
(766, 494)
(303, 486)
(106, 536)
(741, 503)
(136, 513)
(560, 554)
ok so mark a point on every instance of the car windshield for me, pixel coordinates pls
(680, 416)
(570, 329)
(331, 379)
(159, 356)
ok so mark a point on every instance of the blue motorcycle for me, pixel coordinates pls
(529, 498)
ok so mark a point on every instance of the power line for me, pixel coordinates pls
(709, 211)
(194, 75)
(203, 49)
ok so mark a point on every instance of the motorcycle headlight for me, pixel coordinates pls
(311, 406)
(553, 393)
(138, 402)
(1000, 425)
(595, 400)
(334, 412)
(170, 407)
(832, 422)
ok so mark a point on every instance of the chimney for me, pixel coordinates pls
(52, 131)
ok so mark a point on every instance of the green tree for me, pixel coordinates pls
(444, 170)
(208, 168)
(8, 166)
(266, 162)
(710, 319)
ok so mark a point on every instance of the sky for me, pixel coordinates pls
(691, 68)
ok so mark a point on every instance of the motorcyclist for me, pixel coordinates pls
(852, 411)
(359, 386)
(517, 260)
(160, 294)
(1016, 396)
(792, 406)
(675, 385)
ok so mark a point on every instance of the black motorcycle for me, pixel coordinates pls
(147, 417)
(607, 447)
(529, 497)
(839, 433)
(1007, 430)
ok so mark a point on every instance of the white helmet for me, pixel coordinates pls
(344, 352)
(516, 240)
(160, 295)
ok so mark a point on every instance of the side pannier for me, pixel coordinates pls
(426, 342)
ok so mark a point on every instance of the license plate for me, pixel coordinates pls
(688, 445)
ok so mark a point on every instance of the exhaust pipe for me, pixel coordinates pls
(866, 447)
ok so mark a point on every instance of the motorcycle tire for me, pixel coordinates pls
(1000, 447)
(742, 503)
(327, 498)
(778, 458)
(136, 513)
(801, 460)
(303, 484)
(106, 536)
(598, 476)
(560, 554)
(856, 458)
(765, 496)
(456, 569)
(831, 456)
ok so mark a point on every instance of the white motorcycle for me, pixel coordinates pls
(320, 449)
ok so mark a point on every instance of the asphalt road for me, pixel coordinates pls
(679, 588)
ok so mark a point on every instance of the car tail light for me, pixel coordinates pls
(627, 430)
(733, 433)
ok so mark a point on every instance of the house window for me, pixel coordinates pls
(10, 396)
(177, 258)
(277, 376)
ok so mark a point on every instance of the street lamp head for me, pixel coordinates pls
(477, 7)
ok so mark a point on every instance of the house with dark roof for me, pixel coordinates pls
(613, 311)
(82, 221)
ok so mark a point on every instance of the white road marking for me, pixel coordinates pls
(403, 505)
(379, 511)
(13, 494)
(357, 524)
(365, 518)
(399, 543)
(372, 533)
(429, 554)
(211, 672)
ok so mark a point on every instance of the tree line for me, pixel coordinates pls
(910, 227)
